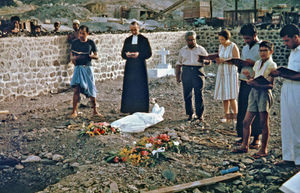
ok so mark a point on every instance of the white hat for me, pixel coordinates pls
(76, 21)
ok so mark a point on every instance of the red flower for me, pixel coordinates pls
(116, 159)
(144, 153)
(113, 130)
(123, 159)
(102, 131)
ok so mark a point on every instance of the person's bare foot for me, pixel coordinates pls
(97, 114)
(73, 115)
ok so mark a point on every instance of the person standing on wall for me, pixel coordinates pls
(136, 49)
(83, 50)
(75, 34)
(290, 98)
(189, 71)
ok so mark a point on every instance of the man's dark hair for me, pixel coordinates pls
(267, 44)
(225, 33)
(135, 23)
(248, 30)
(82, 27)
(289, 30)
(15, 18)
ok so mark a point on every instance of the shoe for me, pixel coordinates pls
(239, 142)
(258, 155)
(223, 120)
(189, 118)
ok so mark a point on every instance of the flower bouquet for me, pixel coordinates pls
(147, 152)
(102, 128)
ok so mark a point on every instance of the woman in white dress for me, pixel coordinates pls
(226, 88)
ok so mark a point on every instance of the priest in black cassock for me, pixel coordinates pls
(136, 49)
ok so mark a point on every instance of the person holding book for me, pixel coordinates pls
(250, 54)
(226, 88)
(83, 50)
(136, 50)
(189, 71)
(260, 99)
(290, 97)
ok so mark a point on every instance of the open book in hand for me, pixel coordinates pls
(209, 57)
(236, 61)
(261, 80)
(286, 71)
(242, 75)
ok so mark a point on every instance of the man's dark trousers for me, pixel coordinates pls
(193, 78)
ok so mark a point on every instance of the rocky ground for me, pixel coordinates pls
(65, 162)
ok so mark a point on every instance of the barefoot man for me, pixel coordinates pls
(83, 50)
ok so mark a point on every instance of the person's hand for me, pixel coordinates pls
(135, 54)
(178, 79)
(200, 59)
(178, 73)
(246, 73)
(219, 60)
(128, 54)
(251, 82)
(275, 73)
(73, 59)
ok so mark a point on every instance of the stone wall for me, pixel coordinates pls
(209, 40)
(30, 66)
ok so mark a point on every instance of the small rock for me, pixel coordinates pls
(184, 138)
(249, 178)
(132, 187)
(247, 161)
(196, 190)
(31, 158)
(19, 167)
(204, 174)
(220, 188)
(114, 187)
(49, 155)
(75, 165)
(266, 171)
(225, 163)
(272, 189)
(57, 157)
(48, 161)
(241, 165)
(272, 178)
(237, 182)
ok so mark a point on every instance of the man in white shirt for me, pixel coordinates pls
(290, 98)
(190, 71)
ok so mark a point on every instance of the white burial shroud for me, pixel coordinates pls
(138, 122)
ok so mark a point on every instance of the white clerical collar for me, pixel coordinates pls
(134, 39)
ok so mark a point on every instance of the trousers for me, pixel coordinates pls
(193, 79)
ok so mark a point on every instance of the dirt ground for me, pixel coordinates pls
(40, 126)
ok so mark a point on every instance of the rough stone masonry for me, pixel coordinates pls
(32, 66)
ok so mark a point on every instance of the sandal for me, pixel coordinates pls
(240, 150)
(239, 142)
(255, 145)
(258, 155)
